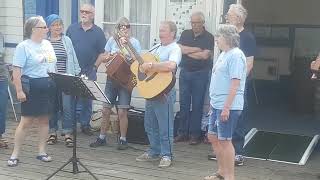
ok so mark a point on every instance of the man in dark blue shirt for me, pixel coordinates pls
(196, 45)
(88, 41)
(236, 16)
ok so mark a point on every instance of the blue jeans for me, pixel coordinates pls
(3, 104)
(158, 124)
(223, 129)
(86, 104)
(192, 89)
(239, 134)
(64, 109)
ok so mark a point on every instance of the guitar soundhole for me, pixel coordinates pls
(141, 76)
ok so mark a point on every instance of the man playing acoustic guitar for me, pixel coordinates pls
(158, 119)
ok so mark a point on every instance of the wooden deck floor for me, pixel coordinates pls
(190, 163)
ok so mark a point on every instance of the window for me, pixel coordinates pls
(29, 9)
(137, 11)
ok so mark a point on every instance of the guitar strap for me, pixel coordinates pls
(154, 47)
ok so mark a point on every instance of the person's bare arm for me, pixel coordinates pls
(16, 74)
(249, 64)
(235, 83)
(159, 67)
(188, 49)
(202, 55)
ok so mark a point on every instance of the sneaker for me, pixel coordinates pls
(165, 162)
(194, 141)
(180, 138)
(123, 145)
(238, 161)
(87, 131)
(98, 142)
(145, 157)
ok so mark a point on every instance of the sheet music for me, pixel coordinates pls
(96, 90)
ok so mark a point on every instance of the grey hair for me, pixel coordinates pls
(200, 14)
(230, 34)
(122, 21)
(90, 5)
(30, 24)
(240, 11)
(172, 26)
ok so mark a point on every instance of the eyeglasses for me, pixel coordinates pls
(196, 22)
(124, 26)
(85, 12)
(41, 27)
(57, 25)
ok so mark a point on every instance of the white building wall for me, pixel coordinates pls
(11, 24)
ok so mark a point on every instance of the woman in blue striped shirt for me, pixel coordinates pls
(67, 62)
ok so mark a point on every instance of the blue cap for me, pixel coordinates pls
(51, 19)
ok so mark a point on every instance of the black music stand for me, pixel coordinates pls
(79, 88)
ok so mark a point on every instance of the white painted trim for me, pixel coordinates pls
(153, 26)
(309, 150)
(65, 13)
(126, 8)
(99, 16)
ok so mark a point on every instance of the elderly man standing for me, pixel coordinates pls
(88, 40)
(236, 16)
(158, 119)
(196, 45)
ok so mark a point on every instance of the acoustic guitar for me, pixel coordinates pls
(151, 84)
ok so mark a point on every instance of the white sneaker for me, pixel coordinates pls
(165, 162)
(145, 157)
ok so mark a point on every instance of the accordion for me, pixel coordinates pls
(119, 71)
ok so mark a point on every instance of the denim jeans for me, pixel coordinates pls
(239, 133)
(158, 124)
(85, 104)
(65, 111)
(192, 89)
(3, 104)
(223, 129)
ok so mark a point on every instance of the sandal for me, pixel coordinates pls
(68, 142)
(13, 162)
(3, 143)
(44, 158)
(215, 176)
(52, 139)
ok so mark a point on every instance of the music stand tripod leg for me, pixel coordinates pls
(74, 160)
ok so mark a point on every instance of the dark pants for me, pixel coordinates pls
(3, 104)
(192, 89)
(86, 104)
(240, 132)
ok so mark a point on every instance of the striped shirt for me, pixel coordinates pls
(61, 55)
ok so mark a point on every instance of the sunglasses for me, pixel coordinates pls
(41, 27)
(85, 12)
(124, 26)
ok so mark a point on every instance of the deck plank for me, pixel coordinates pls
(190, 162)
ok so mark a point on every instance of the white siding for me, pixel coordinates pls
(11, 24)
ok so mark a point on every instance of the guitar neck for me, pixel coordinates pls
(133, 52)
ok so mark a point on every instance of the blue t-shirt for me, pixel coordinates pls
(35, 59)
(230, 65)
(112, 46)
(87, 44)
(170, 52)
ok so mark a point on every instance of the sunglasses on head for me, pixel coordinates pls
(85, 12)
(124, 26)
